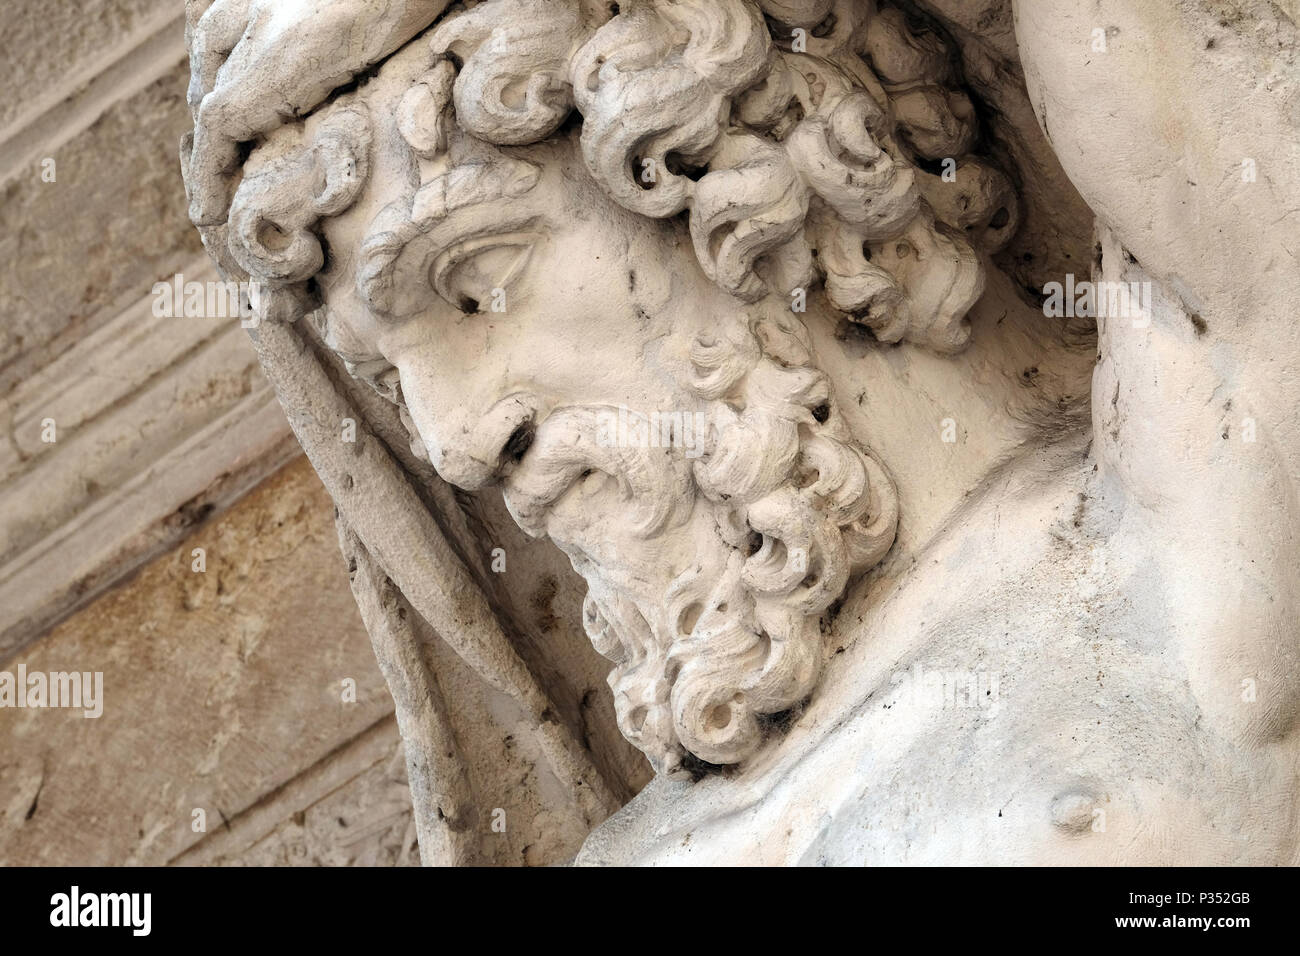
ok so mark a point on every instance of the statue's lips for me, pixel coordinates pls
(566, 449)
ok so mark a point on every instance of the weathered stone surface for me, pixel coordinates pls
(77, 251)
(219, 687)
(366, 822)
(117, 447)
(51, 48)
(162, 422)
(351, 809)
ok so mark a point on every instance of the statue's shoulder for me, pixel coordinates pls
(1029, 709)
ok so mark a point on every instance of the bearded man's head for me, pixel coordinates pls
(545, 216)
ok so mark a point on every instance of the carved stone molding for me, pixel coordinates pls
(153, 423)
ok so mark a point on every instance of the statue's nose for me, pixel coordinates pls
(473, 453)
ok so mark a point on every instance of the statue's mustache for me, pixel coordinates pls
(568, 446)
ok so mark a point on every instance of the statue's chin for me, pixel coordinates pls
(694, 670)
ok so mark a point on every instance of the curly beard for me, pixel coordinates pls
(707, 572)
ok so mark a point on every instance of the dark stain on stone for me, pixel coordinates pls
(190, 514)
(699, 769)
(541, 603)
(827, 620)
(855, 337)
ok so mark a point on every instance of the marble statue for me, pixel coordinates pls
(744, 306)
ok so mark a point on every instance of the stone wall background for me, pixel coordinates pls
(223, 692)
(223, 688)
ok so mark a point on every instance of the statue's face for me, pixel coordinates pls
(677, 443)
(607, 322)
(573, 307)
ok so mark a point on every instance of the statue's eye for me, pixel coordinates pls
(480, 280)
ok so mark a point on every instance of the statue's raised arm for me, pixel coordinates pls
(1180, 125)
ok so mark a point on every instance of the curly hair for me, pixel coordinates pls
(796, 509)
(804, 142)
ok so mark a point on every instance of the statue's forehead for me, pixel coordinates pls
(676, 131)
